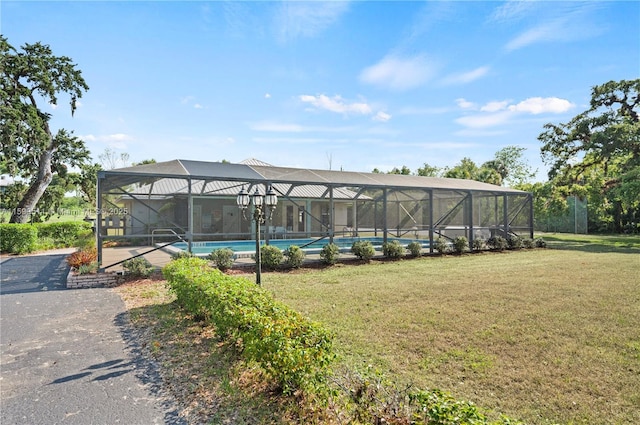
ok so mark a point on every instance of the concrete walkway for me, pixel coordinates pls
(70, 356)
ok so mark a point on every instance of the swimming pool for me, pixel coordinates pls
(307, 244)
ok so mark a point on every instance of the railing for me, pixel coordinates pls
(153, 233)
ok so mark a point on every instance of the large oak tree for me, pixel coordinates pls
(29, 79)
(598, 152)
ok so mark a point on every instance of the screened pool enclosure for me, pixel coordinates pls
(193, 205)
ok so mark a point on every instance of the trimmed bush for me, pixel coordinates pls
(514, 242)
(498, 243)
(272, 256)
(294, 257)
(415, 248)
(138, 267)
(182, 254)
(441, 245)
(393, 249)
(528, 243)
(222, 258)
(363, 250)
(18, 238)
(540, 243)
(292, 350)
(460, 244)
(83, 257)
(478, 244)
(330, 253)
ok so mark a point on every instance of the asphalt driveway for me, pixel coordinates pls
(70, 356)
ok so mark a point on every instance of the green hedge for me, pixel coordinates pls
(64, 233)
(291, 349)
(18, 238)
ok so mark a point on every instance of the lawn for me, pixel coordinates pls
(545, 336)
(549, 335)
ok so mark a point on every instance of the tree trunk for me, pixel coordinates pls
(27, 205)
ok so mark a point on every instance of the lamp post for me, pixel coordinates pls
(260, 204)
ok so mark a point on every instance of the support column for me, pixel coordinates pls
(470, 218)
(505, 215)
(431, 241)
(332, 215)
(384, 216)
(190, 217)
(98, 225)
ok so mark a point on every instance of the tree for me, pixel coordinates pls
(110, 159)
(428, 171)
(509, 163)
(604, 138)
(30, 148)
(467, 169)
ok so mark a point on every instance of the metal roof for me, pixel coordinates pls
(211, 171)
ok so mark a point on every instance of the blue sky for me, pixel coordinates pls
(342, 85)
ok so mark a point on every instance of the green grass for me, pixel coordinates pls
(547, 335)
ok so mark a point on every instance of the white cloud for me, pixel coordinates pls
(540, 105)
(336, 104)
(198, 106)
(382, 117)
(512, 10)
(500, 112)
(568, 22)
(267, 95)
(465, 104)
(467, 77)
(399, 73)
(116, 140)
(495, 106)
(306, 19)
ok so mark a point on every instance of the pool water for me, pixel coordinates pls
(305, 244)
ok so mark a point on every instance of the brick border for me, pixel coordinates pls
(93, 280)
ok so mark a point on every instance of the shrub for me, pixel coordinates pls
(514, 242)
(415, 248)
(363, 250)
(294, 256)
(83, 257)
(293, 351)
(182, 254)
(272, 256)
(138, 267)
(460, 244)
(88, 268)
(64, 233)
(393, 249)
(441, 245)
(439, 407)
(330, 253)
(528, 243)
(18, 238)
(540, 243)
(497, 243)
(478, 244)
(222, 258)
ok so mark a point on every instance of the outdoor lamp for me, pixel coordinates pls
(243, 199)
(270, 201)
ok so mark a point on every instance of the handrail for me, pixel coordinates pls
(153, 232)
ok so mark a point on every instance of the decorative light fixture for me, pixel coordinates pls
(260, 204)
